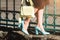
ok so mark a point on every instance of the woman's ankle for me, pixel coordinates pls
(41, 27)
(24, 29)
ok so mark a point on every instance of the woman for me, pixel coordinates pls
(39, 9)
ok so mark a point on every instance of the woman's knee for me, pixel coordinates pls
(35, 10)
(27, 19)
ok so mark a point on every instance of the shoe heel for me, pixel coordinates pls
(19, 25)
(36, 31)
(22, 24)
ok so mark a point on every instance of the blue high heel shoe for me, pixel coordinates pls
(38, 30)
(21, 25)
(26, 32)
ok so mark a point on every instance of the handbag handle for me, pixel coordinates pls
(31, 3)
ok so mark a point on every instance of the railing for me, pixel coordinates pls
(9, 14)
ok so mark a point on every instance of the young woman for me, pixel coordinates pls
(39, 6)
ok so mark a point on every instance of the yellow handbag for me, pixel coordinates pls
(27, 11)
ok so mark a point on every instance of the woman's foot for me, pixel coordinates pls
(25, 31)
(38, 30)
(22, 27)
(45, 32)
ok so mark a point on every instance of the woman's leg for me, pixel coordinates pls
(26, 23)
(40, 17)
(35, 10)
(40, 25)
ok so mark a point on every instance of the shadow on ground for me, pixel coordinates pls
(13, 36)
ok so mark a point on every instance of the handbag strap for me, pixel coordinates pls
(31, 3)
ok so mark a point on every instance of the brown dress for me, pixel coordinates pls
(40, 3)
